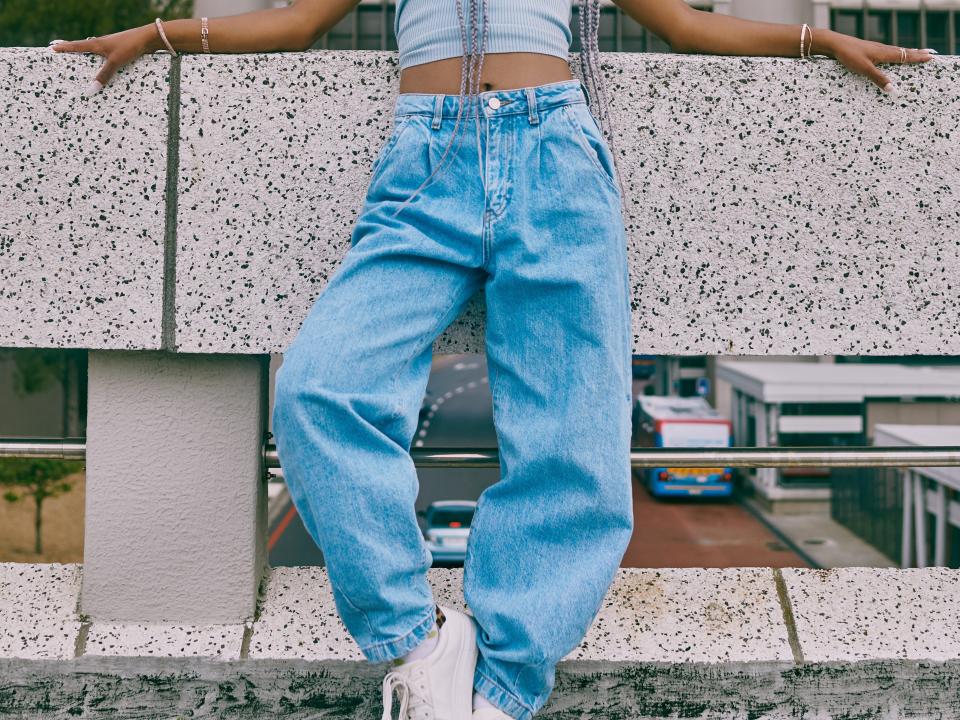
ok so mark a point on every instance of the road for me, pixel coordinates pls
(666, 534)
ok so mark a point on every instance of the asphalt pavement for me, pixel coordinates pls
(458, 413)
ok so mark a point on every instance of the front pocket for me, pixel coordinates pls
(588, 136)
(399, 126)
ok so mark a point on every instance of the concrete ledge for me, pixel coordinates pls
(38, 610)
(855, 614)
(667, 643)
(773, 206)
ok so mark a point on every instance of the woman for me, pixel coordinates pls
(495, 176)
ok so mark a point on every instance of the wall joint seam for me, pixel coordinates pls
(788, 620)
(168, 332)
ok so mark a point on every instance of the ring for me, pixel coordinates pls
(92, 37)
(903, 55)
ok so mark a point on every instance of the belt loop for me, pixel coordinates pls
(586, 94)
(437, 111)
(532, 106)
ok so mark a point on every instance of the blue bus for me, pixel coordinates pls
(663, 421)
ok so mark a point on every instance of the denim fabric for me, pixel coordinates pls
(532, 217)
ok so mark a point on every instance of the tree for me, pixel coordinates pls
(37, 22)
(39, 479)
(35, 370)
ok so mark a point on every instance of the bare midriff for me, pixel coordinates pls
(501, 71)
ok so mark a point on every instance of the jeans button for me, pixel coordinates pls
(494, 103)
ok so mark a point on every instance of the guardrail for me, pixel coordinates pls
(739, 457)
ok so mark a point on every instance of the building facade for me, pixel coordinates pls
(911, 23)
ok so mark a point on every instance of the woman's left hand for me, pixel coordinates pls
(861, 56)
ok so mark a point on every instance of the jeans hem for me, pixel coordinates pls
(392, 649)
(501, 698)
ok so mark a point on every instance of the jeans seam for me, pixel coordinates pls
(588, 151)
(374, 648)
(546, 106)
(437, 328)
(362, 613)
(400, 127)
(512, 696)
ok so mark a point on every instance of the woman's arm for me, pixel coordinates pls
(295, 27)
(689, 30)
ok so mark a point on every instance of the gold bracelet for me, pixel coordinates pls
(163, 36)
(204, 35)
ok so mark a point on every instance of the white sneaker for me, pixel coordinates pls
(489, 713)
(438, 686)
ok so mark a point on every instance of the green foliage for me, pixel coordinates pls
(39, 479)
(37, 369)
(37, 22)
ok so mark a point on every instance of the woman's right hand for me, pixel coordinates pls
(119, 49)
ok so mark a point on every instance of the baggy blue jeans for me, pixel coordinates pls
(532, 217)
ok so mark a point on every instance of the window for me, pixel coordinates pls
(368, 27)
(621, 33)
(937, 29)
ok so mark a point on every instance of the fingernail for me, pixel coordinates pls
(931, 50)
(53, 42)
(891, 89)
(93, 87)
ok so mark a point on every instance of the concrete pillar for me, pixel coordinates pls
(821, 13)
(220, 8)
(176, 489)
(779, 11)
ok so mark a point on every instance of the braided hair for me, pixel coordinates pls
(472, 67)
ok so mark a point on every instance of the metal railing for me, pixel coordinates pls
(739, 457)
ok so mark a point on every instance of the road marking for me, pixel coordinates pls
(281, 526)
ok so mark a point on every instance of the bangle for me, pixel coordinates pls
(163, 36)
(204, 35)
(808, 54)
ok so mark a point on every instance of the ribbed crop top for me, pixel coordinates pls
(429, 30)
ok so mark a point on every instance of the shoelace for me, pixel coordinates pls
(413, 700)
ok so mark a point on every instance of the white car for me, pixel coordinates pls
(447, 529)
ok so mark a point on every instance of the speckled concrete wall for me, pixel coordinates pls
(774, 206)
(727, 644)
(82, 202)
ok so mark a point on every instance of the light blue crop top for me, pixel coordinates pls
(429, 30)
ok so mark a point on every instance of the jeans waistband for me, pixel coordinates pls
(529, 101)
